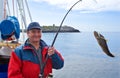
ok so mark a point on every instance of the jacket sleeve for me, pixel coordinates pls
(57, 60)
(15, 66)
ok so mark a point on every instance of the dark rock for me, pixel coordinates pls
(48, 29)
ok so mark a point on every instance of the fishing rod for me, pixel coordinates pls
(42, 70)
(62, 23)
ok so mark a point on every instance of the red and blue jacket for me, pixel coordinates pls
(24, 62)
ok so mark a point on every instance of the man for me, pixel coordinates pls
(27, 60)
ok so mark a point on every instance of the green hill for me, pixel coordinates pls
(55, 29)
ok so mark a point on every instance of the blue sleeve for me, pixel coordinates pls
(57, 61)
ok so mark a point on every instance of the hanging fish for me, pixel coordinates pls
(103, 44)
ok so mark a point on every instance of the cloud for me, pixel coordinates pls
(86, 5)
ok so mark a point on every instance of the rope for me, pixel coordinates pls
(24, 16)
(8, 8)
(16, 9)
(21, 12)
(28, 10)
(5, 1)
(13, 8)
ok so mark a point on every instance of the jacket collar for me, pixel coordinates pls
(28, 46)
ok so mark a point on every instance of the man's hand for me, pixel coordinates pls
(51, 51)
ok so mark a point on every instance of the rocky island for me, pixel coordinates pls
(55, 29)
(50, 29)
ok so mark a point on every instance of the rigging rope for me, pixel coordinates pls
(13, 8)
(24, 14)
(5, 1)
(8, 8)
(28, 10)
(16, 9)
(21, 12)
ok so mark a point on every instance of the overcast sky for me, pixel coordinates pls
(88, 15)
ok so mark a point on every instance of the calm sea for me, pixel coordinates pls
(83, 43)
(83, 56)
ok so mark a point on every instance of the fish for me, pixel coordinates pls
(103, 43)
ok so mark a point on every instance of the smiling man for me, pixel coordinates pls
(27, 60)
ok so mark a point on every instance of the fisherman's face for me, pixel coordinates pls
(34, 35)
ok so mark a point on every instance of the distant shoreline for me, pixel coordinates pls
(60, 32)
(54, 29)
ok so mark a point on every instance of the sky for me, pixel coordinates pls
(87, 15)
